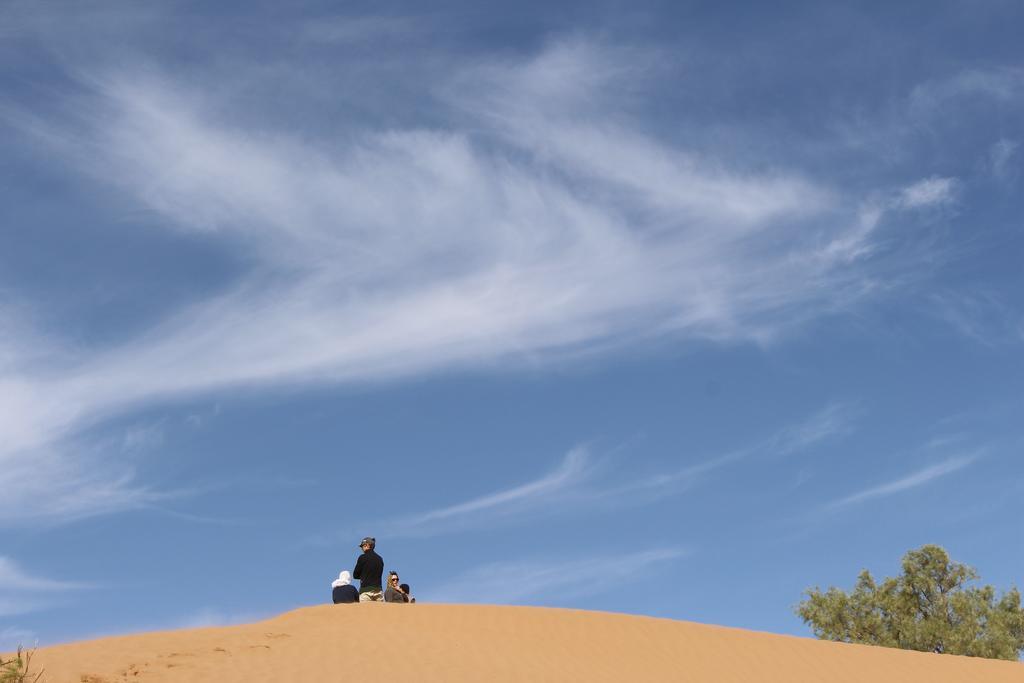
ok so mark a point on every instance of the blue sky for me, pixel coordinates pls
(666, 308)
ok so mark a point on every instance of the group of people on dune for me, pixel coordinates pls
(369, 570)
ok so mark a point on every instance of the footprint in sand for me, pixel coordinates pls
(277, 635)
(133, 670)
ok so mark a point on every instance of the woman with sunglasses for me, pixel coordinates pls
(394, 592)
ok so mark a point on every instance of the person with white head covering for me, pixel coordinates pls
(342, 590)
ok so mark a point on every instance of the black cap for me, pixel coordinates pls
(369, 540)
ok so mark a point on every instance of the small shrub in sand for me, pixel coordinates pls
(19, 669)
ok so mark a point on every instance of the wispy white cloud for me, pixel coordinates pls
(934, 191)
(12, 637)
(998, 83)
(574, 482)
(835, 420)
(582, 481)
(542, 225)
(952, 105)
(72, 479)
(982, 315)
(572, 471)
(22, 592)
(14, 578)
(19, 604)
(142, 437)
(546, 581)
(1000, 159)
(563, 106)
(914, 480)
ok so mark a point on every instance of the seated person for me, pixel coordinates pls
(408, 592)
(393, 593)
(342, 590)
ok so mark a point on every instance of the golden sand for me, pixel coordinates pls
(383, 642)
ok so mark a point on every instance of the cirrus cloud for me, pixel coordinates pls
(542, 223)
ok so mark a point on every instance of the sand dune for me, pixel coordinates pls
(487, 643)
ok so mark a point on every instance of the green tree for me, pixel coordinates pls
(930, 607)
(18, 669)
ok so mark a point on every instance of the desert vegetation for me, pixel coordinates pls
(18, 669)
(932, 606)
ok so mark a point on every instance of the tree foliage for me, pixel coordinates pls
(18, 669)
(930, 607)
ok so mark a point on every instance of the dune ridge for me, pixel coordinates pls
(374, 642)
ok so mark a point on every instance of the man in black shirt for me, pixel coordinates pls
(369, 570)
